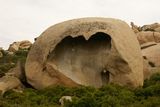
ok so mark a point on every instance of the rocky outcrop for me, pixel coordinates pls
(148, 44)
(150, 27)
(149, 39)
(152, 54)
(147, 33)
(25, 44)
(9, 83)
(18, 71)
(135, 28)
(157, 29)
(87, 51)
(146, 69)
(149, 69)
(148, 36)
(14, 79)
(15, 46)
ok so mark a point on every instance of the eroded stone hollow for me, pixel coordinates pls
(86, 51)
(83, 60)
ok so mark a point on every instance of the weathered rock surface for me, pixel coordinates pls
(25, 44)
(157, 29)
(148, 44)
(87, 51)
(18, 71)
(146, 69)
(149, 70)
(15, 46)
(152, 54)
(150, 27)
(135, 28)
(148, 36)
(8, 83)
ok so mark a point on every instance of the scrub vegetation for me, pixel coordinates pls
(110, 95)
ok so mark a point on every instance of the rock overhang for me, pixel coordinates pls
(124, 47)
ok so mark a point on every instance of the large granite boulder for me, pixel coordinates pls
(149, 69)
(10, 83)
(148, 36)
(15, 46)
(87, 51)
(18, 71)
(157, 29)
(150, 27)
(152, 54)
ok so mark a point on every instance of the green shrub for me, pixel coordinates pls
(110, 95)
(9, 61)
(155, 78)
(5, 67)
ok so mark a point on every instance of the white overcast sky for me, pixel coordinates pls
(27, 19)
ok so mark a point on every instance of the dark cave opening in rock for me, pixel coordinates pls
(105, 76)
(83, 60)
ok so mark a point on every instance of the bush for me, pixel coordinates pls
(155, 79)
(110, 95)
(9, 61)
(107, 96)
(5, 67)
